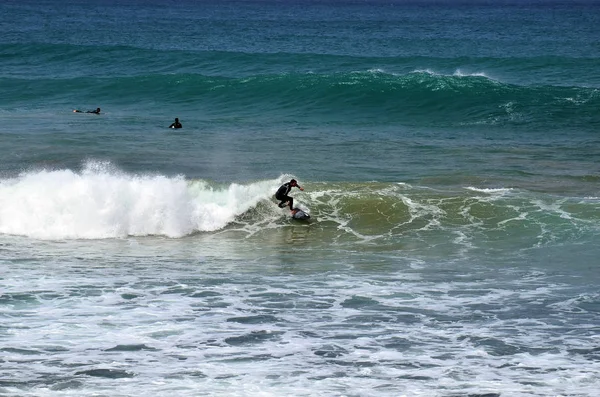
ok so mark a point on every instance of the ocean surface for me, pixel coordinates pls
(450, 156)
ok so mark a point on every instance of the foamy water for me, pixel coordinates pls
(102, 202)
(194, 327)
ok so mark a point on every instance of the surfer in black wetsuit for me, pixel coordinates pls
(283, 191)
(97, 111)
(176, 124)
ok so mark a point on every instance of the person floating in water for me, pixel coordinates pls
(97, 111)
(282, 194)
(176, 124)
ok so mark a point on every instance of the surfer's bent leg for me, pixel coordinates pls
(283, 200)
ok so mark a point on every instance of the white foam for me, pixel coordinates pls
(101, 202)
(426, 71)
(419, 336)
(489, 190)
(553, 208)
(459, 73)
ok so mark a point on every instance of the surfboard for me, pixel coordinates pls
(297, 213)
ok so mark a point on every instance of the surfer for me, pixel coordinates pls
(97, 111)
(283, 191)
(176, 124)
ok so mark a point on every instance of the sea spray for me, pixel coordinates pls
(101, 202)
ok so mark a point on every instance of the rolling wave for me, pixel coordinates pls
(103, 202)
(414, 91)
(420, 97)
(39, 60)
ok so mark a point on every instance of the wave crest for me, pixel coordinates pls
(102, 202)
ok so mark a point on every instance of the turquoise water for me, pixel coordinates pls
(449, 155)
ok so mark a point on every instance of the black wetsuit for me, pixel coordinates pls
(97, 111)
(282, 195)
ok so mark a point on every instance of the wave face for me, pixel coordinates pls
(418, 98)
(102, 202)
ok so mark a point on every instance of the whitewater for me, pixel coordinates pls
(100, 202)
